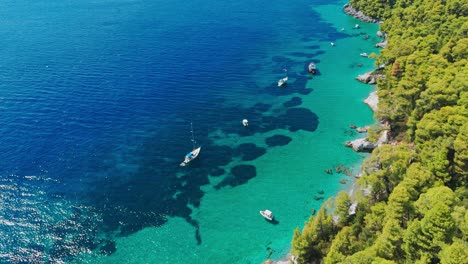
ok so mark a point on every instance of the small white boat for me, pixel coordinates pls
(356, 26)
(267, 214)
(312, 68)
(190, 156)
(332, 43)
(283, 81)
(364, 54)
(245, 122)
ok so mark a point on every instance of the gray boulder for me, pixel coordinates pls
(367, 77)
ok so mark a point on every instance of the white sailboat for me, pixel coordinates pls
(283, 81)
(192, 154)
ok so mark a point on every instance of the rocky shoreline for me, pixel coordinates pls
(348, 9)
(363, 144)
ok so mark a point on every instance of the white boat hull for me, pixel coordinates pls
(266, 215)
(191, 156)
(283, 81)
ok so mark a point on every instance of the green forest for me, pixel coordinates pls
(413, 195)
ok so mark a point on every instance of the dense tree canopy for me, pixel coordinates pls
(412, 206)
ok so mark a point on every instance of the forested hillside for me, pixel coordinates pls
(412, 206)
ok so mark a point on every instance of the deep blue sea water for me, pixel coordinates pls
(96, 101)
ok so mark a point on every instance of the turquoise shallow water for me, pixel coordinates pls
(288, 177)
(96, 103)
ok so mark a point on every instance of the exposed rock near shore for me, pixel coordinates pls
(382, 44)
(364, 145)
(348, 9)
(288, 260)
(361, 145)
(370, 77)
(366, 78)
(372, 101)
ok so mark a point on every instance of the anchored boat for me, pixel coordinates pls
(192, 154)
(283, 81)
(312, 68)
(267, 214)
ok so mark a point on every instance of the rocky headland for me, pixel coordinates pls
(348, 9)
(370, 77)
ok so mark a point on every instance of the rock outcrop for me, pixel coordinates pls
(370, 77)
(372, 101)
(364, 145)
(367, 77)
(382, 44)
(348, 9)
(361, 145)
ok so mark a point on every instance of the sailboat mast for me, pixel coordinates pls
(193, 138)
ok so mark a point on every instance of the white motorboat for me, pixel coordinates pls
(245, 122)
(267, 214)
(364, 54)
(283, 81)
(312, 68)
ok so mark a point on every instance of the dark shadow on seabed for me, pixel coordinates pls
(153, 193)
(273, 222)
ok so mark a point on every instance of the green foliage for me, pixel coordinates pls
(460, 216)
(460, 160)
(424, 238)
(440, 137)
(392, 163)
(445, 122)
(373, 8)
(388, 243)
(366, 256)
(314, 241)
(399, 207)
(375, 219)
(433, 197)
(344, 244)
(417, 180)
(455, 253)
(342, 203)
(415, 242)
(438, 224)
